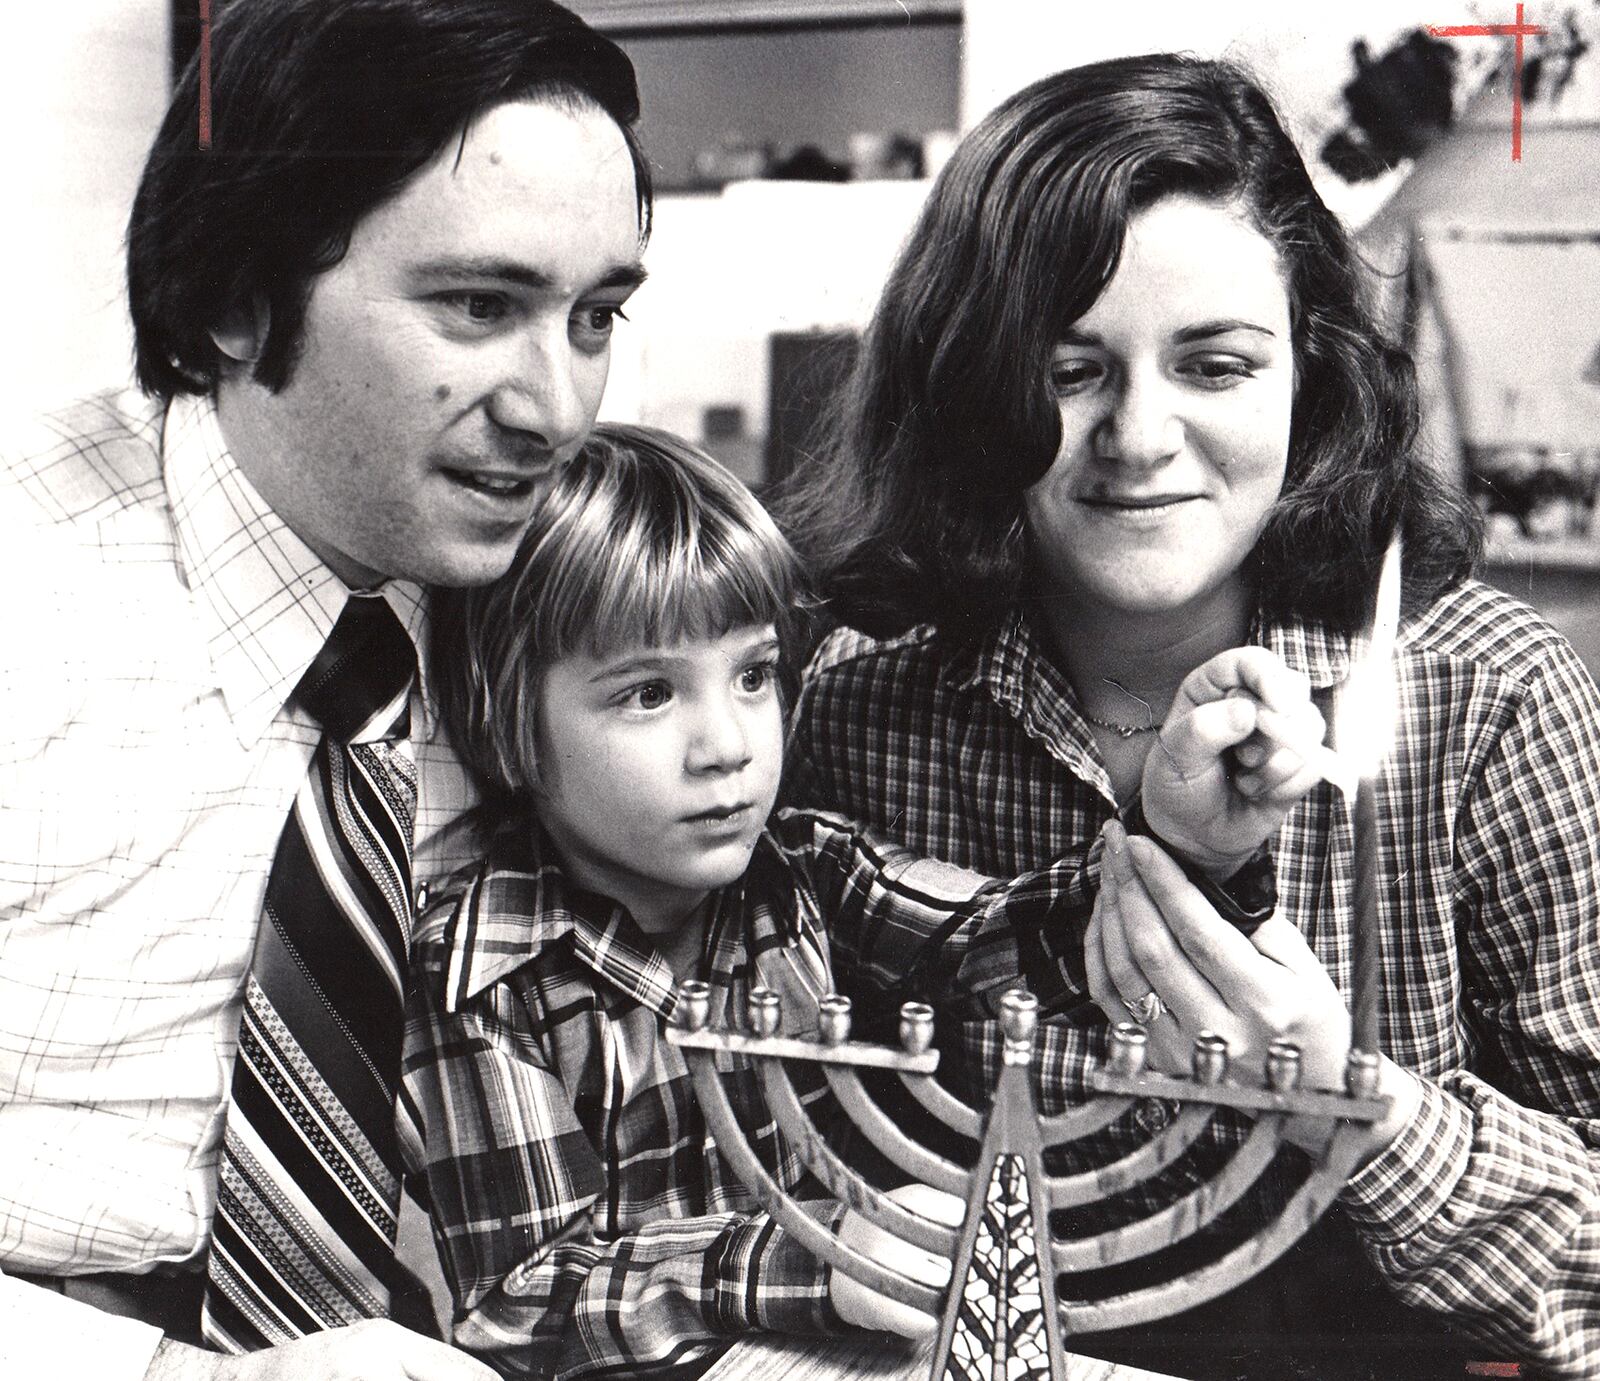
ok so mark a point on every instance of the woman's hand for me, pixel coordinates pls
(1241, 745)
(1152, 931)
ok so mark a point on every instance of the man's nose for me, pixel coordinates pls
(1143, 426)
(540, 395)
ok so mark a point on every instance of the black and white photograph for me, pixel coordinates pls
(810, 689)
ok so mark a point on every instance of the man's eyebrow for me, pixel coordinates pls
(628, 276)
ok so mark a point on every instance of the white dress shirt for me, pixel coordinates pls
(158, 617)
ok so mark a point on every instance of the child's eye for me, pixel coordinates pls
(758, 677)
(652, 695)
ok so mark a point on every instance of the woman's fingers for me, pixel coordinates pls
(1101, 987)
(1155, 959)
(1217, 956)
(1127, 980)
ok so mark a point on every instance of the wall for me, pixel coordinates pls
(82, 89)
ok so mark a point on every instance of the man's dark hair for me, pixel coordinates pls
(321, 110)
(917, 513)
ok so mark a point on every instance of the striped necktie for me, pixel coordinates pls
(309, 1187)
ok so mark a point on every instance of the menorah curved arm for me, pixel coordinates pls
(845, 1184)
(959, 1117)
(1067, 1191)
(912, 1157)
(1204, 1203)
(806, 1231)
(1080, 1121)
(1219, 1276)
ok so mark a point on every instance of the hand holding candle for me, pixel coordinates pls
(1241, 746)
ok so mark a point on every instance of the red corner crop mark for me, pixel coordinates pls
(205, 73)
(1518, 31)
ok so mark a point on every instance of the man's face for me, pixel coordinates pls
(455, 357)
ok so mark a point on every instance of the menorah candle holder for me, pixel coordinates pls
(1001, 1317)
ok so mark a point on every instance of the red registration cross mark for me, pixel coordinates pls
(205, 74)
(1517, 31)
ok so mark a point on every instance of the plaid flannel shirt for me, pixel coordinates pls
(586, 1221)
(1487, 1207)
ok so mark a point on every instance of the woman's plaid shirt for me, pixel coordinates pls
(586, 1221)
(1487, 1207)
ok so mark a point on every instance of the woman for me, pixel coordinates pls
(1121, 408)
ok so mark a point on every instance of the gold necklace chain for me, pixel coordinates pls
(1122, 730)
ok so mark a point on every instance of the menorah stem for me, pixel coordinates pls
(1010, 1143)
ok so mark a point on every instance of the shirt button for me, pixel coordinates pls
(422, 897)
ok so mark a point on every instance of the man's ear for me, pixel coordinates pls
(241, 335)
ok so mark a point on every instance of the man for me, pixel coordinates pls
(371, 321)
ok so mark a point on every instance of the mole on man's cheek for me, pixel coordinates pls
(442, 392)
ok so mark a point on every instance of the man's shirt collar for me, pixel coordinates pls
(266, 600)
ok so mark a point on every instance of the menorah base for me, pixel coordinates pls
(873, 1357)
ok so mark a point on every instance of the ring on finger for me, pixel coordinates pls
(1146, 1009)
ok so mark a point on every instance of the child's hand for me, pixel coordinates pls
(1242, 744)
(865, 1308)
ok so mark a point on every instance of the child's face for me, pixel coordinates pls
(661, 765)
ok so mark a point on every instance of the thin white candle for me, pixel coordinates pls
(1366, 712)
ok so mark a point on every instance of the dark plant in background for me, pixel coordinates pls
(1399, 102)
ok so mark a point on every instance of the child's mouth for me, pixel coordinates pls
(722, 815)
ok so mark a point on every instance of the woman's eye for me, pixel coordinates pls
(1222, 369)
(1068, 376)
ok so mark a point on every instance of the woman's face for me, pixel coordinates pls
(1175, 391)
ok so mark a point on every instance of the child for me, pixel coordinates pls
(617, 695)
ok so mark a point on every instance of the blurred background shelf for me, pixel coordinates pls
(1571, 554)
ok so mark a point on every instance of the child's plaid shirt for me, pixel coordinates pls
(586, 1221)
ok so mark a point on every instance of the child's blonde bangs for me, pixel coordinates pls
(656, 544)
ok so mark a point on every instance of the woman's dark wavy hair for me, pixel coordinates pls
(321, 110)
(914, 514)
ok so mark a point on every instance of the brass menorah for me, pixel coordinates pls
(1000, 1317)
